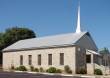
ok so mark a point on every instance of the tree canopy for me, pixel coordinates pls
(11, 35)
(104, 51)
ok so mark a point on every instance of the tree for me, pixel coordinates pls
(104, 51)
(105, 58)
(1, 41)
(11, 35)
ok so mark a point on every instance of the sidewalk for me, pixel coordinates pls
(67, 75)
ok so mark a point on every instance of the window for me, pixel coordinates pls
(39, 59)
(30, 59)
(21, 59)
(49, 59)
(61, 58)
(88, 58)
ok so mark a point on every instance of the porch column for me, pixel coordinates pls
(92, 59)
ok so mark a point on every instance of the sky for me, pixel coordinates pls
(51, 17)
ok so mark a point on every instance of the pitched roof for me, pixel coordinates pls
(48, 41)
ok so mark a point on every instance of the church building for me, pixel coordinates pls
(77, 50)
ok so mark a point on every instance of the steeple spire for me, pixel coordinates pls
(78, 29)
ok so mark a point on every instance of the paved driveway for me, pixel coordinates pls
(27, 75)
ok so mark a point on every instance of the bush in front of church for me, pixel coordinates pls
(67, 69)
(12, 67)
(58, 71)
(36, 70)
(98, 72)
(21, 68)
(32, 68)
(51, 70)
(41, 69)
(82, 71)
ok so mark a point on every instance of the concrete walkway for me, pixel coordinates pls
(69, 75)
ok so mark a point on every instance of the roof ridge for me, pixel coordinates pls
(51, 36)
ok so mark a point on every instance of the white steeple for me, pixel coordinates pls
(78, 29)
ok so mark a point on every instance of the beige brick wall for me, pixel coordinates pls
(13, 58)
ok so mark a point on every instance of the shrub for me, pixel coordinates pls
(98, 72)
(58, 71)
(12, 67)
(36, 70)
(70, 72)
(17, 68)
(82, 71)
(51, 70)
(21, 68)
(67, 69)
(41, 69)
(32, 68)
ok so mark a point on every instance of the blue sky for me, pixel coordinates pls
(50, 17)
